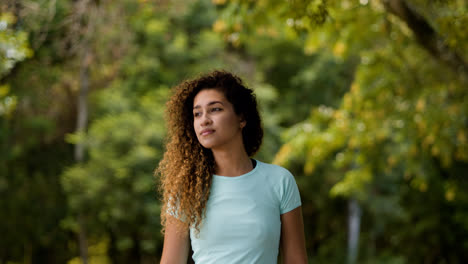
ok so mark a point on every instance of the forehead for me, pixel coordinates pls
(207, 96)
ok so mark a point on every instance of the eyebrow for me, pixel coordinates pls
(210, 103)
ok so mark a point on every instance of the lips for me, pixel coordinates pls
(206, 132)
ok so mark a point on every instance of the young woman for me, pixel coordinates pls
(231, 208)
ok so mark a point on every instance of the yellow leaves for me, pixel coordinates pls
(339, 49)
(347, 101)
(407, 175)
(341, 119)
(315, 152)
(346, 4)
(97, 254)
(453, 110)
(354, 99)
(310, 49)
(233, 38)
(325, 111)
(4, 90)
(7, 18)
(401, 25)
(353, 182)
(381, 134)
(421, 105)
(219, 26)
(355, 87)
(309, 167)
(342, 158)
(461, 137)
(272, 32)
(423, 187)
(413, 151)
(353, 142)
(391, 161)
(339, 114)
(384, 96)
(283, 154)
(435, 151)
(237, 27)
(419, 184)
(450, 191)
(261, 31)
(420, 123)
(121, 173)
(428, 140)
(450, 195)
(219, 2)
(180, 42)
(461, 154)
(155, 26)
(314, 42)
(7, 102)
(75, 138)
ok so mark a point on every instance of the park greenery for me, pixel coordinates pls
(364, 101)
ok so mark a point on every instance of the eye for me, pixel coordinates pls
(197, 114)
(216, 109)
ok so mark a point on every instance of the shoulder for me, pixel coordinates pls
(274, 170)
(283, 185)
(275, 174)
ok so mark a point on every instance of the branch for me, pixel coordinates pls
(427, 37)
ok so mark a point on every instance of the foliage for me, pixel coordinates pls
(354, 104)
(398, 134)
(14, 46)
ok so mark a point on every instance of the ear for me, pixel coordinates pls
(242, 122)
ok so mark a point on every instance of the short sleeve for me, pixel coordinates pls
(289, 194)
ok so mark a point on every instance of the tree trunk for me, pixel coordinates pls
(28, 251)
(82, 119)
(83, 241)
(135, 253)
(354, 224)
(112, 251)
(427, 37)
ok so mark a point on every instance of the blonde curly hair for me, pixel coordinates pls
(187, 167)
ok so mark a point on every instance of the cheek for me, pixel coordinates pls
(234, 122)
(195, 125)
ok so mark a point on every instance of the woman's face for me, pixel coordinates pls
(216, 124)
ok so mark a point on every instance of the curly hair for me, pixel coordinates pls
(187, 167)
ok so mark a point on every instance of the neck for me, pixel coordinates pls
(232, 163)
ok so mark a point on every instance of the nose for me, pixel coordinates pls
(205, 120)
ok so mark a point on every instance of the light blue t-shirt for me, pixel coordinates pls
(242, 223)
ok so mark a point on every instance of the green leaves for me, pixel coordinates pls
(352, 103)
(398, 131)
(14, 45)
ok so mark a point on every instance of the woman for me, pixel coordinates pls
(231, 208)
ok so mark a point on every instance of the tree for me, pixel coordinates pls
(399, 132)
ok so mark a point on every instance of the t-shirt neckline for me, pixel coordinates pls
(240, 176)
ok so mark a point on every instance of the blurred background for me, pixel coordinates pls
(364, 101)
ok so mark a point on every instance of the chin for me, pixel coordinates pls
(207, 145)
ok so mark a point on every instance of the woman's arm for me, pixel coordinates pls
(292, 237)
(176, 244)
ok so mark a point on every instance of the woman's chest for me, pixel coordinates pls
(250, 214)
